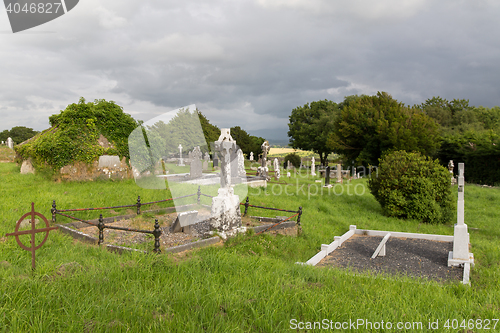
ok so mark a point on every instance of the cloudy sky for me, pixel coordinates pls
(248, 63)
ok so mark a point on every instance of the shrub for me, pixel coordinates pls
(409, 185)
(294, 160)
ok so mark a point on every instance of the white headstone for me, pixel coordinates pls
(10, 143)
(460, 253)
(313, 167)
(206, 161)
(196, 167)
(251, 156)
(339, 173)
(181, 162)
(241, 164)
(277, 169)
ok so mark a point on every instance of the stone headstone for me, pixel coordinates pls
(216, 161)
(251, 156)
(196, 167)
(263, 169)
(241, 164)
(460, 253)
(450, 168)
(206, 161)
(339, 173)
(313, 167)
(327, 176)
(277, 169)
(27, 167)
(225, 211)
(288, 165)
(181, 162)
(184, 221)
(10, 143)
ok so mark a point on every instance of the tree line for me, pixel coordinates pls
(364, 128)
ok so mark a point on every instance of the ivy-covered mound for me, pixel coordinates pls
(409, 185)
(75, 133)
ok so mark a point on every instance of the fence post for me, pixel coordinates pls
(138, 205)
(199, 194)
(246, 207)
(299, 227)
(157, 234)
(100, 226)
(53, 210)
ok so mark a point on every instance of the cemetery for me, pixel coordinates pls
(197, 237)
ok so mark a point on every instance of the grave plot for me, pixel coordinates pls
(421, 258)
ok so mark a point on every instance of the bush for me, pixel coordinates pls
(294, 160)
(409, 185)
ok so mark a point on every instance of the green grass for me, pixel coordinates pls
(252, 284)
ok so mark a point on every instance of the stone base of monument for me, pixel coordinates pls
(225, 212)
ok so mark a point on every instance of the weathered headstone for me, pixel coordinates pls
(263, 169)
(460, 253)
(216, 160)
(225, 212)
(288, 165)
(196, 167)
(327, 176)
(313, 167)
(206, 161)
(339, 173)
(450, 168)
(10, 143)
(184, 221)
(277, 169)
(109, 161)
(181, 162)
(241, 164)
(27, 167)
(251, 156)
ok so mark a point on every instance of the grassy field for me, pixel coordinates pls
(251, 284)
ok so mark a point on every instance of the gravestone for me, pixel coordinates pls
(301, 166)
(288, 165)
(450, 168)
(313, 167)
(216, 160)
(206, 161)
(251, 156)
(339, 173)
(225, 213)
(181, 162)
(184, 221)
(196, 167)
(241, 164)
(460, 253)
(263, 169)
(276, 169)
(327, 176)
(27, 167)
(10, 143)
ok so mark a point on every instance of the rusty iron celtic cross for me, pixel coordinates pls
(33, 231)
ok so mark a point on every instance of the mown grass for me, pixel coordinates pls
(251, 284)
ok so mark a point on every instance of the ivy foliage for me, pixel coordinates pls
(75, 132)
(409, 185)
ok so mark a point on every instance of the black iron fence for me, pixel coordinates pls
(297, 214)
(157, 231)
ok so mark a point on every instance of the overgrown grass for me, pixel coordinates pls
(252, 284)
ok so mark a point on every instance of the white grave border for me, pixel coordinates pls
(326, 249)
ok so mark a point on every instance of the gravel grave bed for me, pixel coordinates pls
(404, 256)
(167, 239)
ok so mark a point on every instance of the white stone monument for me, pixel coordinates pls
(339, 173)
(263, 169)
(251, 156)
(206, 161)
(195, 170)
(225, 214)
(10, 143)
(313, 167)
(241, 164)
(277, 169)
(181, 162)
(460, 254)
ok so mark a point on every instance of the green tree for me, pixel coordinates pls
(18, 134)
(311, 125)
(211, 132)
(370, 125)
